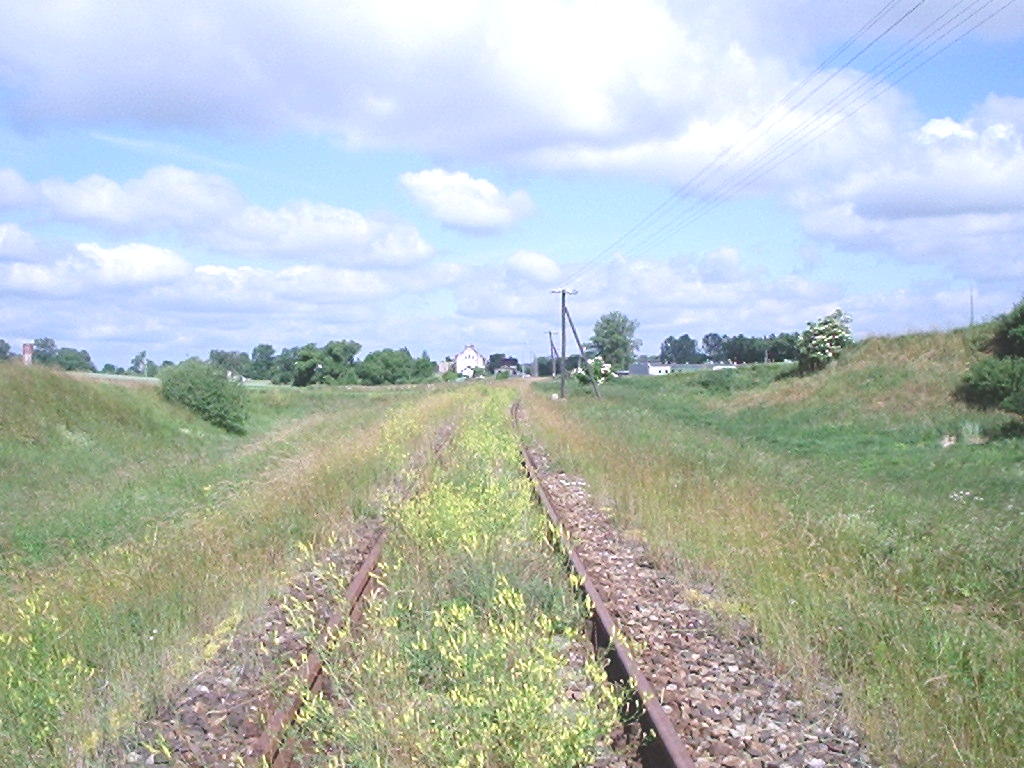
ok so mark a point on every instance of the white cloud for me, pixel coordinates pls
(135, 263)
(15, 242)
(91, 267)
(208, 209)
(14, 190)
(535, 267)
(318, 230)
(165, 195)
(463, 76)
(953, 193)
(462, 201)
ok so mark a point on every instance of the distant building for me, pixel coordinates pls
(649, 369)
(707, 366)
(468, 360)
(444, 366)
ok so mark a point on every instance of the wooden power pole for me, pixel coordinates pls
(561, 386)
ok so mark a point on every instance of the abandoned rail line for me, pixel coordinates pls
(691, 694)
(660, 745)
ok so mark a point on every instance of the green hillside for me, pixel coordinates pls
(86, 464)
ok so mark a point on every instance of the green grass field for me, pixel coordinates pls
(827, 510)
(131, 531)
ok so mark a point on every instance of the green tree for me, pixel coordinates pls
(73, 359)
(283, 371)
(206, 390)
(308, 365)
(138, 364)
(745, 349)
(332, 364)
(713, 345)
(235, 362)
(44, 350)
(1008, 339)
(783, 347)
(5, 350)
(394, 366)
(262, 361)
(495, 361)
(998, 382)
(681, 350)
(615, 339)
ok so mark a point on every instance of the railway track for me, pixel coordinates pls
(272, 748)
(661, 746)
(700, 691)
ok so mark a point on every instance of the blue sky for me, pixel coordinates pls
(183, 176)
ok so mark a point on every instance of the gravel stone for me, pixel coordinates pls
(727, 700)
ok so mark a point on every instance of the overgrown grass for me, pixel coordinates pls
(88, 643)
(465, 661)
(829, 511)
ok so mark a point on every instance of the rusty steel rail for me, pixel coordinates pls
(270, 747)
(666, 749)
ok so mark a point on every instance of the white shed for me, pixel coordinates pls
(649, 369)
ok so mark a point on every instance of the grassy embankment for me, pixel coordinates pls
(132, 532)
(828, 512)
(464, 662)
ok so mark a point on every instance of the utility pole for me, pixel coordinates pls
(561, 387)
(583, 354)
(554, 354)
(972, 305)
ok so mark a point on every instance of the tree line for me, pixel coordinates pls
(333, 363)
(717, 347)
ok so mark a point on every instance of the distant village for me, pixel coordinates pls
(470, 362)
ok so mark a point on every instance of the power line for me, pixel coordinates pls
(899, 64)
(751, 134)
(790, 145)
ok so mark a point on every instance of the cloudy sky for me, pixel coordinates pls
(181, 176)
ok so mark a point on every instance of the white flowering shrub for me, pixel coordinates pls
(594, 370)
(823, 340)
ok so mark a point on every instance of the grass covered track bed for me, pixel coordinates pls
(831, 514)
(474, 656)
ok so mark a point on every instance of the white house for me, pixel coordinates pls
(649, 369)
(469, 360)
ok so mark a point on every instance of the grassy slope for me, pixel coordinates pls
(131, 530)
(828, 508)
(86, 464)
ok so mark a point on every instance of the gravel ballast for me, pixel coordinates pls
(730, 704)
(217, 718)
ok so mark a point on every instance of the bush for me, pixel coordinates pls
(1008, 339)
(995, 382)
(208, 391)
(822, 342)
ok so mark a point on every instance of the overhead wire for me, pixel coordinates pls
(869, 85)
(883, 76)
(812, 130)
(681, 192)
